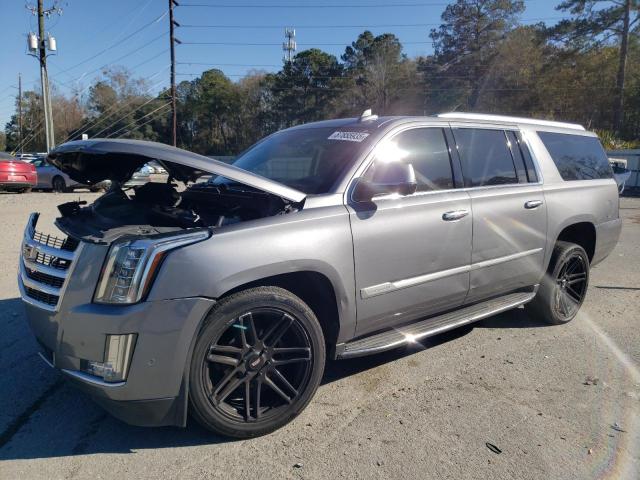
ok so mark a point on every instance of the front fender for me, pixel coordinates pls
(316, 241)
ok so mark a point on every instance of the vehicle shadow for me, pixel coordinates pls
(48, 418)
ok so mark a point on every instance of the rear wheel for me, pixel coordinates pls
(58, 184)
(257, 363)
(564, 286)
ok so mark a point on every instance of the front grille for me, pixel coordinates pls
(55, 262)
(68, 244)
(39, 296)
(45, 278)
(44, 266)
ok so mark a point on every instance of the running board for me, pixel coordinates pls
(432, 326)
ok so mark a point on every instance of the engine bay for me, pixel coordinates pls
(155, 208)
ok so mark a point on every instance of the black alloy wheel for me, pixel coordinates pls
(257, 363)
(564, 287)
(571, 286)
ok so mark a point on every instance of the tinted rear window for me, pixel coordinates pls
(576, 156)
(486, 158)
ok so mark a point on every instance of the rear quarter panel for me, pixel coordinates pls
(570, 202)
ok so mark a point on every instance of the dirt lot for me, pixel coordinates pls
(558, 402)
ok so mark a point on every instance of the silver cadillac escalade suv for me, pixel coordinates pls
(223, 298)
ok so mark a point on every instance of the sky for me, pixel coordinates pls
(92, 34)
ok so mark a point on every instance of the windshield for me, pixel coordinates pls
(310, 160)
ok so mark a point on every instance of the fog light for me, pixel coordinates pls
(117, 358)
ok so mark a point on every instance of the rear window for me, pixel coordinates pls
(576, 156)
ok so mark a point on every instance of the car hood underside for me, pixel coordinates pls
(91, 161)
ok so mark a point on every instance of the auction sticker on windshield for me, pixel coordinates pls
(349, 136)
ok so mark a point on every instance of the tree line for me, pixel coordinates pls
(584, 69)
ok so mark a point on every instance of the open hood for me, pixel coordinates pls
(91, 161)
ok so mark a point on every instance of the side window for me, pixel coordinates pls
(485, 156)
(426, 150)
(577, 157)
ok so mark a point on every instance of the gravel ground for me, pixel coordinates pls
(558, 402)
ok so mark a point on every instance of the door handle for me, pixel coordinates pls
(532, 204)
(454, 215)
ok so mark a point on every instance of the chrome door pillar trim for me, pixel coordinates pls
(387, 287)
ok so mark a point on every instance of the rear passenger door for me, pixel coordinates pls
(509, 212)
(412, 252)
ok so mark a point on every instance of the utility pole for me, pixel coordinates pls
(44, 79)
(20, 112)
(173, 41)
(40, 44)
(618, 105)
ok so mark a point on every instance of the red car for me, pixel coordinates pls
(16, 175)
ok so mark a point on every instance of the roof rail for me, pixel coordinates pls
(504, 118)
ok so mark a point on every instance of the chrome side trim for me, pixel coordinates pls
(506, 258)
(387, 287)
(45, 360)
(85, 377)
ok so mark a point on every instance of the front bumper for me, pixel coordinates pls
(57, 278)
(154, 391)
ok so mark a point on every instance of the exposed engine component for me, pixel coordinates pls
(160, 207)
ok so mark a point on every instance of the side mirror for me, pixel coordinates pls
(387, 178)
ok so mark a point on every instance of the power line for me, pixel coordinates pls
(118, 108)
(128, 54)
(35, 131)
(329, 26)
(249, 44)
(154, 117)
(125, 116)
(231, 64)
(138, 119)
(119, 42)
(311, 6)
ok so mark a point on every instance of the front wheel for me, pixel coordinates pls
(257, 363)
(564, 287)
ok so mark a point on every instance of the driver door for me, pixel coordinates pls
(412, 252)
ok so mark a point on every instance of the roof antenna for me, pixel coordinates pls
(367, 115)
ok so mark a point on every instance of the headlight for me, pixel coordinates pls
(131, 266)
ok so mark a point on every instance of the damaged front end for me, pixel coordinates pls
(86, 288)
(132, 230)
(162, 208)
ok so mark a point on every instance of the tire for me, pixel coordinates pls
(564, 287)
(58, 184)
(262, 342)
